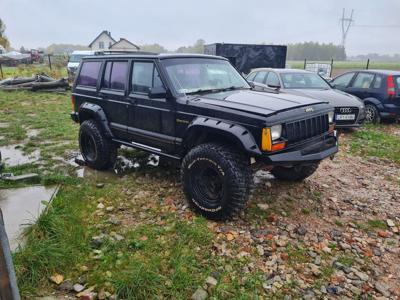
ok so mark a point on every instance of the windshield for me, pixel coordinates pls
(195, 75)
(303, 81)
(76, 57)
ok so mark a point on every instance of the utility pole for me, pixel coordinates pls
(346, 23)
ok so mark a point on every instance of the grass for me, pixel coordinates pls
(374, 141)
(57, 71)
(349, 64)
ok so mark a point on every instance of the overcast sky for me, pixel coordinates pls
(173, 23)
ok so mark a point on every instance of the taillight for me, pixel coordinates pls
(73, 102)
(390, 86)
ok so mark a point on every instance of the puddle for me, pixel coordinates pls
(21, 207)
(13, 156)
(100, 176)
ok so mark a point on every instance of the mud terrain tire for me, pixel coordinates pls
(216, 180)
(98, 151)
(297, 173)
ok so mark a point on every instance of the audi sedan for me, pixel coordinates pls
(349, 110)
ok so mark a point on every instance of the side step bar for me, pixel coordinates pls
(147, 149)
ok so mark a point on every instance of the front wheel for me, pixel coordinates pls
(216, 180)
(372, 114)
(296, 173)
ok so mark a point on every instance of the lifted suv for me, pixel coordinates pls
(199, 111)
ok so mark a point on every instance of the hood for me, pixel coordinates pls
(335, 97)
(257, 102)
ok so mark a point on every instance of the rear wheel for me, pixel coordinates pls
(372, 114)
(216, 180)
(296, 173)
(98, 152)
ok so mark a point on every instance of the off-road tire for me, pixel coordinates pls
(297, 173)
(98, 151)
(375, 115)
(230, 174)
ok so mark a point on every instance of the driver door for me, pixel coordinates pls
(151, 121)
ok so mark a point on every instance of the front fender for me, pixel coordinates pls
(374, 101)
(237, 133)
(94, 111)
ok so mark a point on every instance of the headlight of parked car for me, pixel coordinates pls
(331, 115)
(276, 132)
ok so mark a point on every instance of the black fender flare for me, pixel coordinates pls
(375, 102)
(237, 133)
(94, 111)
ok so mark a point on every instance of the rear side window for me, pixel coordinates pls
(378, 82)
(115, 75)
(144, 77)
(397, 82)
(343, 80)
(89, 73)
(363, 80)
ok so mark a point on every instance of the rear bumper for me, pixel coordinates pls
(312, 152)
(391, 111)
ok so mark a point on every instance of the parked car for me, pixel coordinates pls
(380, 90)
(198, 111)
(349, 110)
(74, 60)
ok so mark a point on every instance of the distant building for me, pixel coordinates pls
(105, 41)
(124, 44)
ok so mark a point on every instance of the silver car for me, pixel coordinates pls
(349, 110)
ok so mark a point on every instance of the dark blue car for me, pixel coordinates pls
(379, 89)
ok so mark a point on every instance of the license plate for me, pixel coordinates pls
(345, 117)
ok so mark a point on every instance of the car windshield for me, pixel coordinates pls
(76, 57)
(303, 81)
(196, 75)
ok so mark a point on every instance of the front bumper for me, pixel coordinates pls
(358, 120)
(312, 152)
(391, 111)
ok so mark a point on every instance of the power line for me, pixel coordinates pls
(377, 26)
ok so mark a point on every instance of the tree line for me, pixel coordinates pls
(315, 51)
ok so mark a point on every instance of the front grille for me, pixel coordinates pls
(305, 129)
(346, 111)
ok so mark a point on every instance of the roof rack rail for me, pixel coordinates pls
(108, 52)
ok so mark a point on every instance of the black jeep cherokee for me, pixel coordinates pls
(199, 111)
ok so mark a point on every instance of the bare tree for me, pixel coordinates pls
(3, 39)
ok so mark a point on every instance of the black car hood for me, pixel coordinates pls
(256, 102)
(335, 97)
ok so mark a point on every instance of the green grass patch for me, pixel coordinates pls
(373, 141)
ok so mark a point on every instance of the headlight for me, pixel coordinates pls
(331, 115)
(276, 132)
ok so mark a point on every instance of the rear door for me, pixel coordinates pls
(113, 89)
(151, 121)
(361, 85)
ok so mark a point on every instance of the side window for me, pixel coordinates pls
(101, 45)
(343, 80)
(89, 73)
(251, 76)
(363, 80)
(272, 79)
(115, 75)
(377, 82)
(144, 77)
(260, 77)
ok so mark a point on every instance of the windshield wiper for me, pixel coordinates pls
(201, 91)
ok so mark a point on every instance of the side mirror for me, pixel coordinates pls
(158, 93)
(252, 85)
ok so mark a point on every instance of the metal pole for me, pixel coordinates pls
(330, 74)
(8, 280)
(48, 55)
(367, 64)
(305, 63)
(1, 70)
